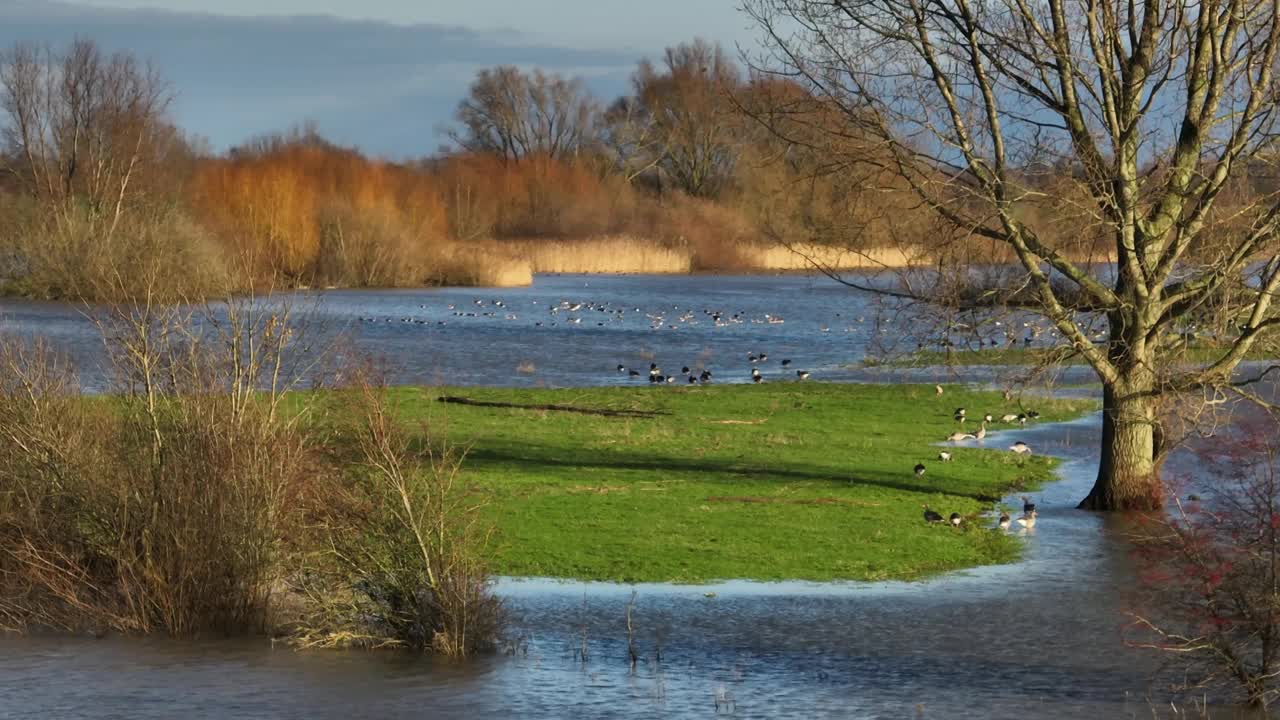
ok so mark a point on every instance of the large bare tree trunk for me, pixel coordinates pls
(1128, 472)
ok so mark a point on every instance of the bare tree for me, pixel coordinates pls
(689, 113)
(82, 127)
(1152, 109)
(514, 115)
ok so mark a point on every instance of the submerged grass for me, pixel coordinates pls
(781, 481)
(1036, 356)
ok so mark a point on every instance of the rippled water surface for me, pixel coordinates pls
(1040, 638)
(574, 330)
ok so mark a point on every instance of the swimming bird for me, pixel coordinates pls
(955, 519)
(786, 363)
(944, 456)
(684, 370)
(1003, 524)
(1028, 507)
(982, 431)
(931, 516)
(1028, 521)
(802, 374)
(633, 373)
(958, 435)
(755, 372)
(622, 368)
(919, 469)
(1020, 448)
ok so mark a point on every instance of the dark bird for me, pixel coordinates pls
(960, 412)
(621, 369)
(1033, 415)
(1028, 507)
(931, 516)
(786, 363)
(633, 373)
(955, 519)
(684, 370)
(919, 469)
(757, 379)
(802, 374)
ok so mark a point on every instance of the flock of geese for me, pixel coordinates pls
(1028, 519)
(703, 375)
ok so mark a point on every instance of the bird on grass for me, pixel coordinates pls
(1009, 418)
(1028, 521)
(960, 415)
(1020, 448)
(1003, 524)
(937, 389)
(1033, 415)
(919, 469)
(944, 456)
(931, 516)
(988, 418)
(956, 519)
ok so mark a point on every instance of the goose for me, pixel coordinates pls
(763, 357)
(1008, 418)
(1032, 414)
(757, 379)
(931, 516)
(622, 368)
(1028, 521)
(1022, 419)
(919, 469)
(960, 412)
(693, 380)
(705, 376)
(944, 456)
(671, 379)
(982, 431)
(1003, 524)
(802, 374)
(958, 435)
(633, 373)
(785, 363)
(684, 370)
(1020, 448)
(755, 372)
(956, 519)
(988, 418)
(1028, 507)
(937, 389)
(960, 418)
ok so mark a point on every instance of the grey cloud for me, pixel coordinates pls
(380, 86)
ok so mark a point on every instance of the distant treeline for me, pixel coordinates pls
(103, 196)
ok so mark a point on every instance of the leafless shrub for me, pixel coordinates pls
(400, 544)
(1209, 595)
(164, 507)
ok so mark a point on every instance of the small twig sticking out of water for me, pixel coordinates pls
(582, 652)
(631, 635)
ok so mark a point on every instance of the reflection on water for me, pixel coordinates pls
(1039, 638)
(574, 330)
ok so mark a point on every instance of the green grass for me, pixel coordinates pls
(778, 481)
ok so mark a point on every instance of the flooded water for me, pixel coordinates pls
(1039, 638)
(574, 330)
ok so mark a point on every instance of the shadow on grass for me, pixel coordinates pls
(533, 458)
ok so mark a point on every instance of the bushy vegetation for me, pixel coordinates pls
(99, 184)
(198, 498)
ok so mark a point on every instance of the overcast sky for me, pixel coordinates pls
(379, 74)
